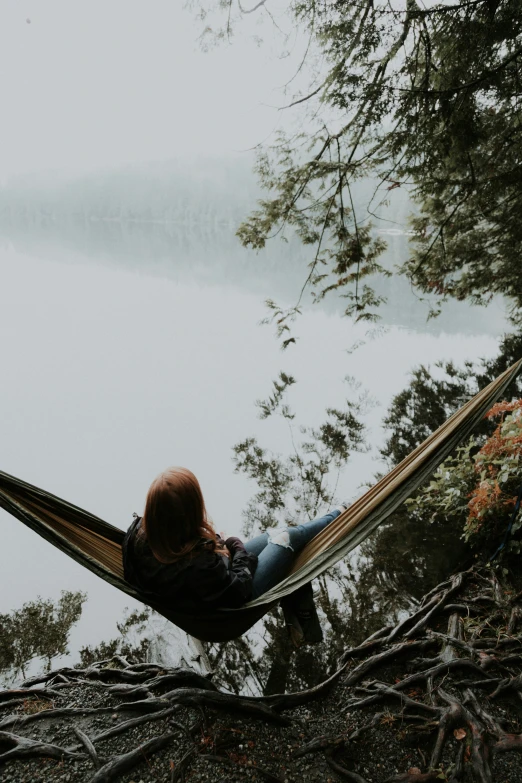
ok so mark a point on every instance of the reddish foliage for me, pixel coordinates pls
(488, 495)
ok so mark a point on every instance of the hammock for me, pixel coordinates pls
(97, 545)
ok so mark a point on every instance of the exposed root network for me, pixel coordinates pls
(442, 691)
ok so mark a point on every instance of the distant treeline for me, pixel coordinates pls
(207, 192)
(178, 220)
(211, 192)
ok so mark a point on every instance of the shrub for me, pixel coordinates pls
(478, 486)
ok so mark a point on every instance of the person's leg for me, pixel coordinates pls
(301, 616)
(301, 535)
(275, 558)
(256, 545)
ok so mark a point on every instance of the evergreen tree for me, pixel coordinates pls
(422, 98)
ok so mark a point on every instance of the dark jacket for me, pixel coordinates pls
(199, 583)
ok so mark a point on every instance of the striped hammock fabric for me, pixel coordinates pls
(97, 545)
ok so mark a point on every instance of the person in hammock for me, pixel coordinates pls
(173, 554)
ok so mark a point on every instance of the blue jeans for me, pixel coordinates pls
(276, 550)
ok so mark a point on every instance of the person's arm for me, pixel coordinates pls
(227, 584)
(240, 558)
(242, 567)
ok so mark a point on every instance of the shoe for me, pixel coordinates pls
(310, 626)
(295, 632)
(293, 626)
(301, 617)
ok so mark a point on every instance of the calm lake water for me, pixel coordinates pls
(126, 354)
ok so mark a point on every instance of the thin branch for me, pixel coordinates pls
(250, 10)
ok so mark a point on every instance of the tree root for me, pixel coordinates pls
(385, 657)
(120, 728)
(178, 771)
(319, 744)
(24, 693)
(485, 736)
(23, 747)
(148, 674)
(386, 690)
(423, 615)
(344, 773)
(228, 702)
(62, 712)
(188, 697)
(120, 764)
(89, 747)
(442, 699)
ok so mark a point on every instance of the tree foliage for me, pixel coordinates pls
(39, 629)
(131, 642)
(478, 486)
(409, 96)
(432, 396)
(294, 488)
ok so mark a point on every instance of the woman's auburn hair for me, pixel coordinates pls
(175, 520)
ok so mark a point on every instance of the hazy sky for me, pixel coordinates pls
(86, 84)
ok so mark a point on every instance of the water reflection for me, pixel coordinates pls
(210, 254)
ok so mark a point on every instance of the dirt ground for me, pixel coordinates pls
(437, 698)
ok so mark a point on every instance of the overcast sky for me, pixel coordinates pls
(92, 83)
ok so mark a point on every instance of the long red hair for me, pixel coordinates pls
(175, 520)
